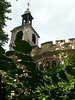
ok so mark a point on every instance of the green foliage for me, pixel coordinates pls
(22, 46)
(4, 8)
(62, 80)
(22, 77)
(23, 81)
(2, 51)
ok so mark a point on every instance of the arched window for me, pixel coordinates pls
(34, 38)
(53, 64)
(41, 66)
(47, 65)
(19, 35)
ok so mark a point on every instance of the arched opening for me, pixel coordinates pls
(47, 65)
(19, 35)
(53, 64)
(41, 66)
(34, 38)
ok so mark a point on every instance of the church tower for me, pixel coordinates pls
(25, 31)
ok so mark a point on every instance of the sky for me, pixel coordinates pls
(53, 19)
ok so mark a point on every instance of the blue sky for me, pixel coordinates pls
(53, 19)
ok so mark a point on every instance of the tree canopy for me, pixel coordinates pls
(23, 80)
(4, 8)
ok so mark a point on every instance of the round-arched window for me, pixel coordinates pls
(41, 66)
(47, 65)
(53, 64)
(19, 35)
(34, 38)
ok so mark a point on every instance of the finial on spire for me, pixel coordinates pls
(28, 3)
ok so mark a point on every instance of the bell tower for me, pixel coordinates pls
(25, 31)
(27, 18)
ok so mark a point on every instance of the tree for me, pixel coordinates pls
(4, 8)
(22, 77)
(60, 80)
(24, 81)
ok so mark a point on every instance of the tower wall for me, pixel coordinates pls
(28, 31)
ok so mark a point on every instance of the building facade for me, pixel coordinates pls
(46, 55)
(49, 53)
(25, 31)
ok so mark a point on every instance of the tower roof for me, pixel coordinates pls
(27, 17)
(27, 11)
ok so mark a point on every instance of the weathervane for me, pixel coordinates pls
(28, 3)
